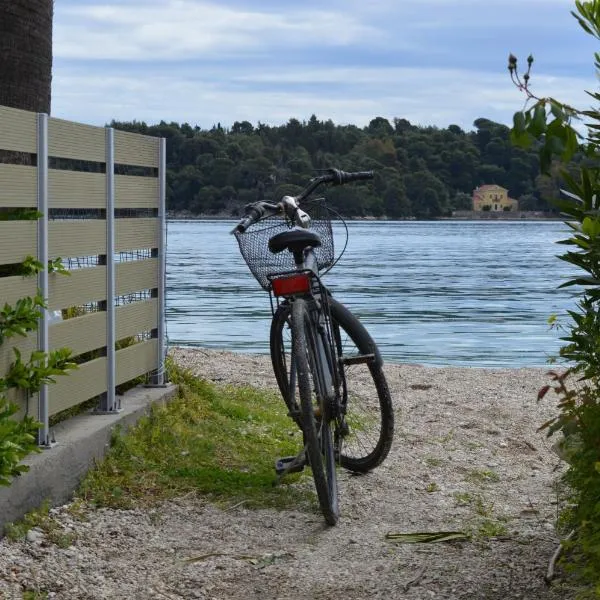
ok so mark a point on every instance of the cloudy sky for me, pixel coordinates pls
(433, 62)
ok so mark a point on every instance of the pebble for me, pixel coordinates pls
(35, 535)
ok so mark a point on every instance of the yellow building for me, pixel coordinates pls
(493, 198)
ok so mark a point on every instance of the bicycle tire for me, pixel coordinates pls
(371, 422)
(317, 430)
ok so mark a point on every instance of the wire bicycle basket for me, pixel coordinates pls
(254, 243)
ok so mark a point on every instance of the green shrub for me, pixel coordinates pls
(548, 125)
(18, 437)
(17, 440)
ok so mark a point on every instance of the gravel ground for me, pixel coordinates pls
(466, 456)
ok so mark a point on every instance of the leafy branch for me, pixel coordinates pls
(41, 368)
(21, 318)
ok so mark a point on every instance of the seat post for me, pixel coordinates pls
(298, 257)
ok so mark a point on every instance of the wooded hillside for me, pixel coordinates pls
(421, 172)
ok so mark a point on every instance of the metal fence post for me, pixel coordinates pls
(42, 256)
(158, 378)
(108, 403)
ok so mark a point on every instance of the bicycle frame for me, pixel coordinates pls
(316, 297)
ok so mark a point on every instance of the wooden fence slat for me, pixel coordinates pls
(76, 237)
(136, 275)
(136, 192)
(136, 149)
(87, 381)
(82, 286)
(18, 186)
(133, 234)
(18, 130)
(79, 334)
(67, 139)
(17, 241)
(136, 360)
(76, 189)
(14, 288)
(136, 317)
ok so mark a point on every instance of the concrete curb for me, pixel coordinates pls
(55, 473)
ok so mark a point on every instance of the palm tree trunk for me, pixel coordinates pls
(26, 54)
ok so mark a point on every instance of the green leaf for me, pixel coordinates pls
(519, 122)
(538, 123)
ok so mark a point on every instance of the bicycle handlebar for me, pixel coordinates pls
(335, 176)
(256, 211)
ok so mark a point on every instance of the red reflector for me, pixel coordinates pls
(292, 284)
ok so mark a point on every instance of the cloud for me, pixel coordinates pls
(434, 62)
(426, 97)
(185, 29)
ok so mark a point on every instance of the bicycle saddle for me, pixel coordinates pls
(295, 240)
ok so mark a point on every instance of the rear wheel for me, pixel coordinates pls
(316, 425)
(363, 387)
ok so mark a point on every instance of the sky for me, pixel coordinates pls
(432, 62)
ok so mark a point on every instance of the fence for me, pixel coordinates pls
(101, 193)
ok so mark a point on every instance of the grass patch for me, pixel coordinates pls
(33, 595)
(463, 498)
(489, 528)
(484, 524)
(40, 518)
(218, 442)
(482, 476)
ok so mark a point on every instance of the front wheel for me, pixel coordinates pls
(316, 425)
(363, 387)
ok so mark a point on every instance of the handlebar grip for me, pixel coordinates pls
(346, 177)
(254, 214)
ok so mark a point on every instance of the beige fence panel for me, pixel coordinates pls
(67, 139)
(18, 186)
(76, 189)
(135, 149)
(136, 275)
(25, 345)
(17, 241)
(18, 130)
(13, 288)
(76, 237)
(79, 334)
(136, 317)
(88, 381)
(132, 234)
(81, 287)
(136, 192)
(69, 189)
(136, 360)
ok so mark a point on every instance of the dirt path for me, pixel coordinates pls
(466, 457)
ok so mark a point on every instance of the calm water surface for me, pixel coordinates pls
(437, 293)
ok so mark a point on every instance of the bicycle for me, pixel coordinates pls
(327, 366)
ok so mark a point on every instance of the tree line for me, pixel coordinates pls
(421, 172)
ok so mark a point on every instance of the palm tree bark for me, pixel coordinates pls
(26, 54)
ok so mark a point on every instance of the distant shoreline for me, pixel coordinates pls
(523, 216)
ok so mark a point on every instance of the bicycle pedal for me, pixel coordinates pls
(357, 360)
(286, 465)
